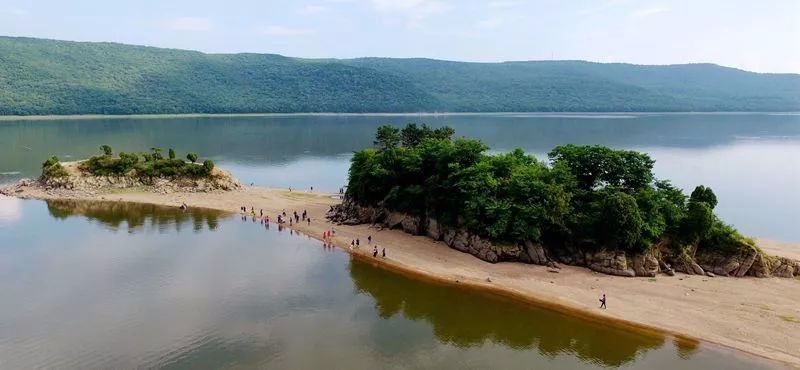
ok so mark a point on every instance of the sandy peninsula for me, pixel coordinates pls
(758, 316)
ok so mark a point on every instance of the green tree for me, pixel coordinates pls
(157, 154)
(704, 194)
(208, 165)
(107, 150)
(171, 153)
(620, 220)
(192, 157)
(698, 221)
(387, 137)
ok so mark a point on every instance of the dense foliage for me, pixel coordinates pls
(152, 164)
(60, 77)
(52, 168)
(587, 196)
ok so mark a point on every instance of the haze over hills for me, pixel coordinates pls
(40, 77)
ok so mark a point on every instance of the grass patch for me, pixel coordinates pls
(652, 279)
(791, 319)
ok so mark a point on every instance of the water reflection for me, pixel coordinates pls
(246, 297)
(460, 319)
(136, 216)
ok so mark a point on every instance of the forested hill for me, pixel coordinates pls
(60, 77)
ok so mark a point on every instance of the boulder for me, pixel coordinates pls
(784, 267)
(410, 224)
(536, 253)
(395, 220)
(433, 230)
(510, 252)
(645, 264)
(609, 262)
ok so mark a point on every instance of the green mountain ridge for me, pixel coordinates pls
(51, 77)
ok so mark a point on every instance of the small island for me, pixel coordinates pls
(586, 205)
(147, 171)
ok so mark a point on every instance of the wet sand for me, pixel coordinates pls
(758, 316)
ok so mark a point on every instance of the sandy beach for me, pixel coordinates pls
(758, 316)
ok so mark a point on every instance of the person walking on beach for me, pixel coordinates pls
(369, 239)
(375, 252)
(603, 302)
(358, 243)
(383, 252)
(352, 244)
(309, 221)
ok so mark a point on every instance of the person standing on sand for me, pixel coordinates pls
(375, 252)
(603, 302)
(383, 252)
(369, 239)
(358, 243)
(309, 221)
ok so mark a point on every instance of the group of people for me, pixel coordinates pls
(295, 217)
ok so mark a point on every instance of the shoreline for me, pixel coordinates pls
(721, 318)
(55, 117)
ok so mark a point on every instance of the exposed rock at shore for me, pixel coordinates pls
(745, 261)
(78, 183)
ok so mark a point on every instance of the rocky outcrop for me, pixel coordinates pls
(647, 263)
(609, 262)
(78, 183)
(748, 261)
(784, 267)
(79, 180)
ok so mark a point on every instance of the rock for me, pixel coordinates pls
(710, 274)
(536, 253)
(669, 272)
(610, 263)
(433, 231)
(760, 267)
(784, 267)
(410, 224)
(395, 220)
(645, 264)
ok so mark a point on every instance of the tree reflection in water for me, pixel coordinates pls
(135, 216)
(469, 319)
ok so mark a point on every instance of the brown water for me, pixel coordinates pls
(102, 285)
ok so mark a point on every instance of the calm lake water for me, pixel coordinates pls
(114, 285)
(752, 161)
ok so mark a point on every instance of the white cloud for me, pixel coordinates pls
(187, 24)
(312, 9)
(18, 12)
(647, 12)
(415, 11)
(503, 4)
(276, 30)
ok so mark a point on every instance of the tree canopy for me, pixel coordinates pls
(587, 195)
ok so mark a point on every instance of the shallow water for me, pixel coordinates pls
(116, 285)
(750, 160)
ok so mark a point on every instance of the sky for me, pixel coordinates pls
(761, 36)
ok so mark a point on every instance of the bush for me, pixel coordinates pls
(192, 157)
(52, 168)
(153, 164)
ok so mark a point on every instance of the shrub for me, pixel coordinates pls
(52, 168)
(192, 157)
(171, 153)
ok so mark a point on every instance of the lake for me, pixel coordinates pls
(752, 161)
(95, 285)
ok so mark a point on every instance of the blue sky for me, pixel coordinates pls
(761, 36)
